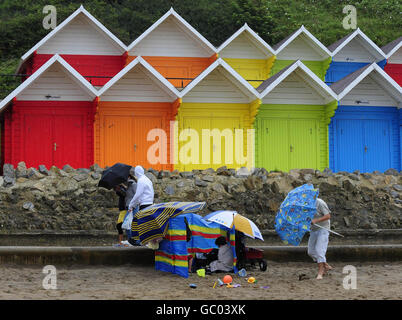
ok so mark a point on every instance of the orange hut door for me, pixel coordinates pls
(141, 126)
(118, 141)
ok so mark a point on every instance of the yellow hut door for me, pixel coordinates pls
(224, 145)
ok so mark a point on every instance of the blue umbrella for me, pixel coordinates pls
(295, 214)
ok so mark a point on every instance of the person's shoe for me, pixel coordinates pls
(319, 277)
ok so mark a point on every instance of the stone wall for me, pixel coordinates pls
(69, 199)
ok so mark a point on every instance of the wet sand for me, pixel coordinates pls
(374, 281)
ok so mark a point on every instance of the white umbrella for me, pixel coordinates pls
(229, 218)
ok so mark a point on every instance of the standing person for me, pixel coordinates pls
(318, 241)
(144, 195)
(121, 192)
(131, 189)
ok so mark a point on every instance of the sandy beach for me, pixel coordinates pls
(381, 280)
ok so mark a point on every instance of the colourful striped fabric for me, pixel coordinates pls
(152, 222)
(174, 251)
(172, 255)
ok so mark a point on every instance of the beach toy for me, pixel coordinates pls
(264, 287)
(220, 282)
(193, 285)
(242, 272)
(201, 272)
(251, 280)
(227, 279)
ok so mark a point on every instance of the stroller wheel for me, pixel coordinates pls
(263, 265)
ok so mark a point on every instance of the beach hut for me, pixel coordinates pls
(174, 48)
(365, 131)
(48, 119)
(393, 52)
(84, 43)
(302, 45)
(291, 124)
(352, 53)
(136, 101)
(247, 53)
(217, 109)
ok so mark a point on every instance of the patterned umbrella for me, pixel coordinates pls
(295, 214)
(152, 222)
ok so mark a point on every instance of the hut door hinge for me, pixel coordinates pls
(55, 146)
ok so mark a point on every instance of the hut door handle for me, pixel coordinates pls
(291, 148)
(55, 146)
(135, 147)
(365, 149)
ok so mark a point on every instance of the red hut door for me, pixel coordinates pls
(37, 141)
(68, 147)
(52, 134)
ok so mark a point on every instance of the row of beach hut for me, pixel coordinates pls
(88, 98)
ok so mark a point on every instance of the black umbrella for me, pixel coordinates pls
(113, 176)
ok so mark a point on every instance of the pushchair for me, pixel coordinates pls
(248, 256)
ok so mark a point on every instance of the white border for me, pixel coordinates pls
(302, 29)
(371, 68)
(229, 69)
(394, 49)
(265, 46)
(80, 80)
(167, 86)
(173, 13)
(360, 33)
(81, 9)
(291, 69)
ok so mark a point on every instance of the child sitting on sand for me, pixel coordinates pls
(318, 241)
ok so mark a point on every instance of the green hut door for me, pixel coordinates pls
(287, 144)
(303, 144)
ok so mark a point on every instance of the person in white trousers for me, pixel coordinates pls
(318, 241)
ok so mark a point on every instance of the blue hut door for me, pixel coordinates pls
(363, 145)
(377, 145)
(349, 145)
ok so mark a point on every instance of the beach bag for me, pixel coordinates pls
(128, 220)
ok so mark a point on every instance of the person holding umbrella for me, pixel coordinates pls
(121, 191)
(319, 235)
(302, 211)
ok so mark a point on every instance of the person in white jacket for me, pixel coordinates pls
(144, 195)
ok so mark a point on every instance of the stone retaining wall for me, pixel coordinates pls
(69, 199)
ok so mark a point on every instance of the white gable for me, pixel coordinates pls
(80, 36)
(242, 47)
(216, 88)
(56, 83)
(294, 90)
(355, 51)
(369, 93)
(396, 57)
(136, 85)
(169, 39)
(301, 48)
